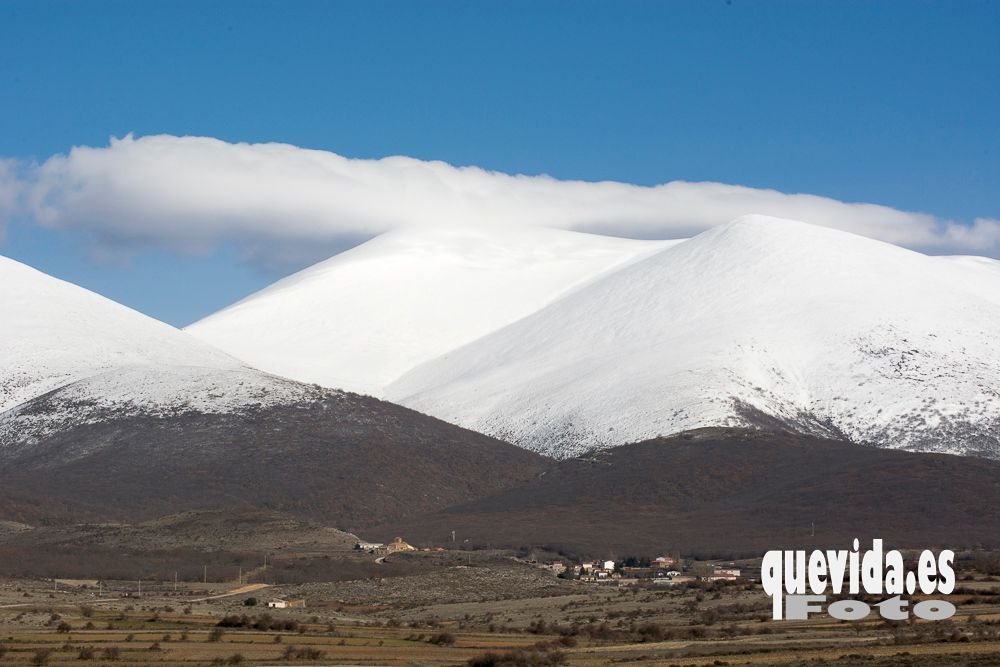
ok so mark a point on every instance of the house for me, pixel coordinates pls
(279, 603)
(557, 566)
(370, 547)
(609, 565)
(664, 562)
(398, 545)
(723, 574)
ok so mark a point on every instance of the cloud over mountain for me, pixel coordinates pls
(278, 202)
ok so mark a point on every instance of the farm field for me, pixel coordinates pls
(492, 610)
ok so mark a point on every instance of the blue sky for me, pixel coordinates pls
(886, 102)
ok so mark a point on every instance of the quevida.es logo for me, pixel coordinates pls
(798, 583)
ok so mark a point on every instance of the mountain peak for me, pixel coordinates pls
(361, 319)
(760, 320)
(798, 236)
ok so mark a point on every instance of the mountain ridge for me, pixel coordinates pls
(110, 414)
(360, 319)
(724, 493)
(824, 331)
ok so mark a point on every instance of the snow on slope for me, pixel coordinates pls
(824, 330)
(361, 319)
(97, 355)
(146, 390)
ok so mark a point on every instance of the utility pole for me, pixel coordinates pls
(241, 576)
(175, 581)
(140, 587)
(206, 574)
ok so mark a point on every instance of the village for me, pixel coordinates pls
(661, 570)
(630, 571)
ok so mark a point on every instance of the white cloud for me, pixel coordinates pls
(279, 202)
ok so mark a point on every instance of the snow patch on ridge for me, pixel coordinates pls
(149, 392)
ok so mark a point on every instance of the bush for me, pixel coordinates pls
(111, 654)
(41, 656)
(265, 623)
(63, 627)
(250, 602)
(215, 635)
(86, 653)
(293, 653)
(538, 627)
(442, 639)
(518, 658)
(650, 632)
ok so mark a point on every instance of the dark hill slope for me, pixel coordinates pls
(343, 458)
(718, 491)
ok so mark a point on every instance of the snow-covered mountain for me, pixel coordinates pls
(559, 341)
(110, 415)
(759, 321)
(360, 320)
(88, 355)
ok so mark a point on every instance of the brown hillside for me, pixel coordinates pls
(345, 460)
(719, 491)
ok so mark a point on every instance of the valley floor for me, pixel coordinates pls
(469, 608)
